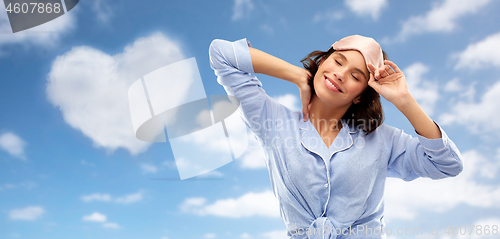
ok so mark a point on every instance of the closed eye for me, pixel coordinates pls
(355, 77)
(338, 63)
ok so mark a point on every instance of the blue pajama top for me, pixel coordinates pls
(327, 192)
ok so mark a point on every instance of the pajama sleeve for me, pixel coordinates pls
(232, 63)
(410, 158)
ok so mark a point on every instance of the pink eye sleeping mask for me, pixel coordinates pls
(367, 46)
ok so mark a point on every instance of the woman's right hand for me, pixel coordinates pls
(305, 92)
(264, 63)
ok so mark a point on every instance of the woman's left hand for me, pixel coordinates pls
(390, 83)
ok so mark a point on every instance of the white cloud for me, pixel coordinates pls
(29, 213)
(366, 7)
(169, 164)
(95, 217)
(90, 88)
(404, 200)
(453, 85)
(111, 225)
(7, 186)
(205, 142)
(245, 236)
(210, 235)
(46, 35)
(249, 205)
(253, 158)
(97, 197)
(266, 28)
(290, 101)
(241, 9)
(424, 91)
(190, 203)
(278, 234)
(478, 117)
(480, 54)
(13, 144)
(102, 11)
(101, 197)
(328, 16)
(460, 90)
(442, 17)
(86, 163)
(98, 217)
(211, 174)
(148, 168)
(131, 198)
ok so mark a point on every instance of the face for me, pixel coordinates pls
(341, 78)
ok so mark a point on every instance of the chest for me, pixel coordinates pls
(354, 163)
(329, 138)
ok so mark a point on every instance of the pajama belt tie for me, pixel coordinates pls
(322, 228)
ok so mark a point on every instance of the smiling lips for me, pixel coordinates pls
(332, 85)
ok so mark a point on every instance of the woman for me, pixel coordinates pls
(328, 169)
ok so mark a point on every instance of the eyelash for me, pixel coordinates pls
(351, 75)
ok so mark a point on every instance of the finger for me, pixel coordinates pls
(372, 78)
(391, 78)
(385, 71)
(373, 72)
(388, 69)
(372, 68)
(304, 111)
(380, 74)
(305, 108)
(394, 66)
(305, 115)
(374, 84)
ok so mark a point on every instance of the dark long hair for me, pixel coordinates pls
(367, 114)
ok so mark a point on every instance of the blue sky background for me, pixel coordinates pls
(71, 167)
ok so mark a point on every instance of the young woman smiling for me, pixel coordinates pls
(328, 164)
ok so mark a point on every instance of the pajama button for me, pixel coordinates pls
(326, 185)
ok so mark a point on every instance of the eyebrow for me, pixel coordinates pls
(357, 69)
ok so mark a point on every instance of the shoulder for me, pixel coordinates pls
(385, 129)
(381, 130)
(288, 116)
(383, 135)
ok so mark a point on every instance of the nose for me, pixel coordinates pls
(340, 75)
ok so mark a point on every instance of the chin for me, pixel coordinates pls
(325, 96)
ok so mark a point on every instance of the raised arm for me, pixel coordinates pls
(391, 84)
(433, 154)
(270, 65)
(233, 64)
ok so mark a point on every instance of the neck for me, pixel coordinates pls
(326, 118)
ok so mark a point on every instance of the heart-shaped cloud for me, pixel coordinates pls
(90, 87)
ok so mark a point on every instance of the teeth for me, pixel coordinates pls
(330, 83)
